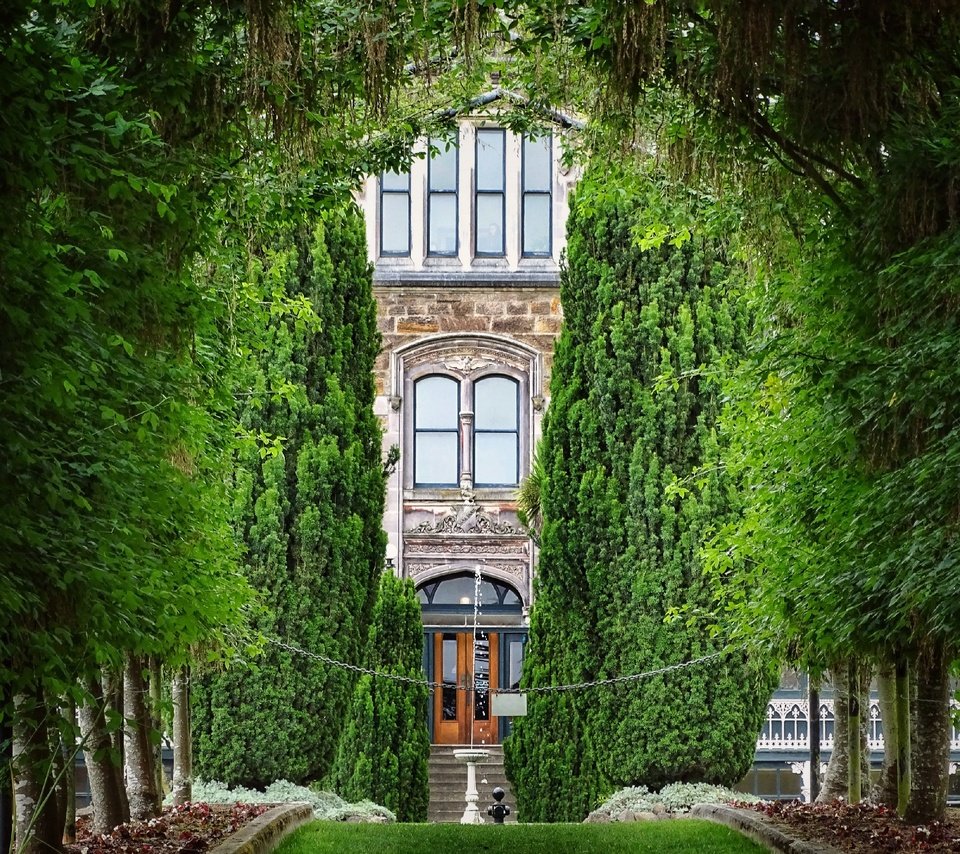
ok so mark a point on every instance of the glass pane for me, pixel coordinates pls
(443, 224)
(395, 222)
(536, 163)
(490, 224)
(395, 181)
(516, 662)
(495, 404)
(436, 403)
(496, 461)
(436, 458)
(490, 159)
(536, 225)
(460, 591)
(443, 166)
(481, 677)
(449, 664)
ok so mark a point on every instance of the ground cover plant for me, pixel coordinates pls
(327, 806)
(672, 798)
(675, 836)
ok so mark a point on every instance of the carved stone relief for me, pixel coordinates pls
(466, 358)
(466, 518)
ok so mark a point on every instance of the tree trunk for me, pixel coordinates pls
(69, 711)
(854, 724)
(904, 756)
(101, 761)
(182, 743)
(156, 723)
(37, 830)
(138, 750)
(113, 699)
(813, 705)
(57, 747)
(835, 780)
(885, 790)
(931, 747)
(6, 795)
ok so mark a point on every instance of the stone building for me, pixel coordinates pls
(466, 250)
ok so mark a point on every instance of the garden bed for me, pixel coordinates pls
(860, 828)
(187, 829)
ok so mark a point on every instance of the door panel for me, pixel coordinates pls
(455, 706)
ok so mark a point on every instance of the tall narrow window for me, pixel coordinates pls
(537, 196)
(436, 451)
(496, 432)
(489, 202)
(395, 213)
(442, 202)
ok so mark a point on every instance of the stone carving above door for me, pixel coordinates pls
(466, 518)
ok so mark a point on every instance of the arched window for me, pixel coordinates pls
(458, 592)
(436, 450)
(496, 430)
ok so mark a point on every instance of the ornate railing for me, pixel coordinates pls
(787, 726)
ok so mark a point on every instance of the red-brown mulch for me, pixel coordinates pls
(861, 828)
(187, 829)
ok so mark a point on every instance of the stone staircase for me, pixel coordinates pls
(448, 780)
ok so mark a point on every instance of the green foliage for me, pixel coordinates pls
(114, 415)
(310, 517)
(385, 746)
(633, 487)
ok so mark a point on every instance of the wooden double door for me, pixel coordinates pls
(465, 670)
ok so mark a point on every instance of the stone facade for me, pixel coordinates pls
(531, 316)
(478, 317)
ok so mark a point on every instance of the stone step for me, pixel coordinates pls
(448, 780)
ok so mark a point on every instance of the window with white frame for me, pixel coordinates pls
(436, 420)
(496, 432)
(442, 198)
(506, 211)
(490, 198)
(537, 197)
(395, 214)
(452, 443)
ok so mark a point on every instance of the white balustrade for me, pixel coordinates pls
(787, 726)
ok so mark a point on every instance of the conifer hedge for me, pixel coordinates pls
(632, 486)
(385, 748)
(309, 517)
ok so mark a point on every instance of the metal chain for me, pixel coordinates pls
(543, 689)
(333, 662)
(613, 680)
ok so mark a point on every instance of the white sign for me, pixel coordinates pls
(509, 705)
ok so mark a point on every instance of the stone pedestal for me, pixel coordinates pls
(471, 814)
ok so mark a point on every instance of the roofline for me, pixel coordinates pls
(561, 118)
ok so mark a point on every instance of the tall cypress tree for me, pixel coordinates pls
(635, 399)
(310, 517)
(385, 747)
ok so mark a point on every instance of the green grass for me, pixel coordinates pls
(656, 837)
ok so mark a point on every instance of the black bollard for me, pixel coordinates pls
(498, 810)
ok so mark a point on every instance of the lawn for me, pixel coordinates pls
(661, 837)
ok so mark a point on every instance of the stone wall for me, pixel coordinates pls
(531, 316)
